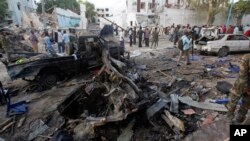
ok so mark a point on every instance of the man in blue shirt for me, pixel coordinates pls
(187, 43)
(48, 45)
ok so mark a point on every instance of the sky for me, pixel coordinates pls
(107, 3)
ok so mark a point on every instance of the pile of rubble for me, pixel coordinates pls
(120, 102)
(13, 44)
(12, 41)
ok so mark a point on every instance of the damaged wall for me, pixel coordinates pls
(19, 8)
(66, 18)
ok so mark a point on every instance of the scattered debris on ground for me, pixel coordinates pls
(146, 97)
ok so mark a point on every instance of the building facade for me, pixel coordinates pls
(161, 12)
(66, 18)
(18, 9)
(102, 12)
(143, 6)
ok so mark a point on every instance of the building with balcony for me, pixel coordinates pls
(144, 12)
(102, 12)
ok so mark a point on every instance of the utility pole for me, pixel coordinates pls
(229, 13)
(43, 14)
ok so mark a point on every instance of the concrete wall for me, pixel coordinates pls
(17, 15)
(182, 16)
(246, 20)
(84, 21)
(186, 16)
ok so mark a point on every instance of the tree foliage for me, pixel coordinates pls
(72, 5)
(213, 7)
(3, 10)
(241, 8)
(90, 11)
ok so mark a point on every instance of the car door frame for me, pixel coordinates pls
(244, 43)
(232, 44)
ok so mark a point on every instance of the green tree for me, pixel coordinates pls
(90, 11)
(73, 5)
(3, 10)
(240, 9)
(213, 7)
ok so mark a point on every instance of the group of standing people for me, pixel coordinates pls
(187, 34)
(239, 29)
(143, 35)
(61, 38)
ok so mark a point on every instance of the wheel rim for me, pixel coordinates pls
(223, 52)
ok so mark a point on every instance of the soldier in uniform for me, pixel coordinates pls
(241, 89)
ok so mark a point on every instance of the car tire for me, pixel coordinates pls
(223, 52)
(48, 80)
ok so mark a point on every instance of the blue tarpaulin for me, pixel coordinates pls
(234, 68)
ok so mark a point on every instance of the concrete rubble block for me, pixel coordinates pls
(37, 128)
(203, 105)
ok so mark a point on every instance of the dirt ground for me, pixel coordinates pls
(158, 66)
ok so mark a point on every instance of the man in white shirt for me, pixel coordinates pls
(60, 41)
(171, 34)
(236, 30)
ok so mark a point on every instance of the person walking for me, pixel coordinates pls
(140, 34)
(67, 42)
(60, 41)
(146, 37)
(48, 45)
(186, 44)
(241, 89)
(34, 41)
(155, 40)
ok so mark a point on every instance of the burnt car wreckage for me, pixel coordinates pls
(48, 70)
(116, 104)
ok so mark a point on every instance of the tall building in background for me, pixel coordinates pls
(144, 12)
(18, 9)
(102, 12)
(160, 12)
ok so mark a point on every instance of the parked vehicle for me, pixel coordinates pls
(223, 45)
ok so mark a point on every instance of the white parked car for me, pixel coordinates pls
(224, 44)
